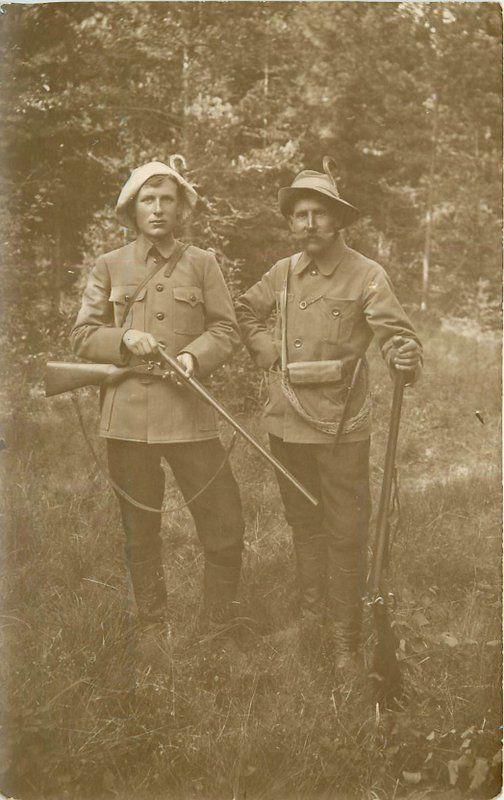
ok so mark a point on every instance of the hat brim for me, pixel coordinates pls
(287, 196)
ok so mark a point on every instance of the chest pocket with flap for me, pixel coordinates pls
(188, 311)
(341, 315)
(120, 297)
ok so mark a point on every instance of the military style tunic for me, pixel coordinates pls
(188, 309)
(336, 303)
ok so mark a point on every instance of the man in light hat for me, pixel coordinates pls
(157, 290)
(331, 302)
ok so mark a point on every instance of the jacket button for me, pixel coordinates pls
(127, 297)
(159, 287)
(160, 315)
(313, 272)
(303, 304)
(156, 260)
(335, 312)
(298, 343)
(192, 298)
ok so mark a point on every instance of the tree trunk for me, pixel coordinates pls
(184, 108)
(429, 209)
(56, 274)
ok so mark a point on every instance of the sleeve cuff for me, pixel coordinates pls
(199, 350)
(265, 352)
(111, 346)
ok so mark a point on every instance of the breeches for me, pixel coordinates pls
(339, 479)
(217, 512)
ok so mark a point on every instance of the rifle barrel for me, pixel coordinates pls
(197, 387)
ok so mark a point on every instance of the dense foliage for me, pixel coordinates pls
(407, 97)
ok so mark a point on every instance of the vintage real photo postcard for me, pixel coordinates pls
(251, 447)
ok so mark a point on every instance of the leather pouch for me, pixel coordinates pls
(314, 372)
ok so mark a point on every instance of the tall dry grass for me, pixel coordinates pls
(78, 723)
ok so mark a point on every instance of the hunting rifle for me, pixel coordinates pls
(63, 377)
(385, 665)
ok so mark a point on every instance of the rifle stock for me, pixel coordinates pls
(61, 377)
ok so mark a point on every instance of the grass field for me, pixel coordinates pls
(76, 725)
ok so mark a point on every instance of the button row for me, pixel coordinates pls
(303, 304)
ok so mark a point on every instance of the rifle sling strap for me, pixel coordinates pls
(168, 266)
(125, 495)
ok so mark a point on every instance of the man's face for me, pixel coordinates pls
(314, 223)
(157, 209)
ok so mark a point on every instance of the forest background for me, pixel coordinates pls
(407, 97)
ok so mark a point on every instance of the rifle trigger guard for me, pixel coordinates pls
(149, 367)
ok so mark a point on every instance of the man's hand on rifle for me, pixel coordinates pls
(188, 363)
(406, 354)
(140, 343)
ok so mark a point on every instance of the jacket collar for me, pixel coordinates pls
(143, 246)
(327, 261)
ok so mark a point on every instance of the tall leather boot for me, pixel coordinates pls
(311, 557)
(344, 586)
(220, 586)
(219, 652)
(149, 588)
(153, 634)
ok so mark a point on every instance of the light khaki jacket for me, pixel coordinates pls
(188, 310)
(335, 307)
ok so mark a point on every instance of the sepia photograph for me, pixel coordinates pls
(251, 269)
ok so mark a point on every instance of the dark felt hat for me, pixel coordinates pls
(320, 182)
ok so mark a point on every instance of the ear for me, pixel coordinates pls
(290, 223)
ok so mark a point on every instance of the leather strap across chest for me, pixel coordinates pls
(169, 266)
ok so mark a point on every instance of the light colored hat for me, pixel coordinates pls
(137, 179)
(321, 182)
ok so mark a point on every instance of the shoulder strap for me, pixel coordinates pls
(283, 308)
(170, 264)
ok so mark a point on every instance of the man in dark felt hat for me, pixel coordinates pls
(156, 290)
(331, 302)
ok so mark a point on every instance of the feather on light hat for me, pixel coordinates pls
(137, 179)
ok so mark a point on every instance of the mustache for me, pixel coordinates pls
(308, 236)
